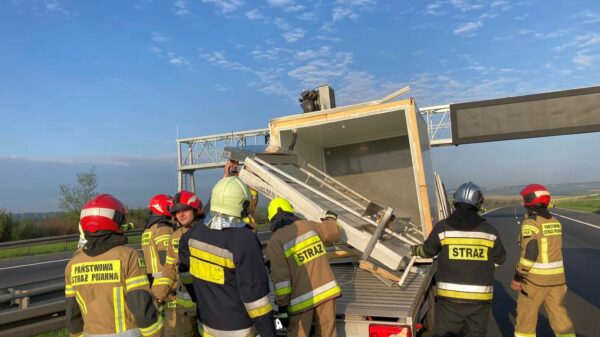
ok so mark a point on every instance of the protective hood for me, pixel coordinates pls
(102, 241)
(465, 216)
(282, 219)
(153, 219)
(539, 210)
(220, 221)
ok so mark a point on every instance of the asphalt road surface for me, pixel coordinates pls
(581, 250)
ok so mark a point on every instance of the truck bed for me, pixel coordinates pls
(363, 294)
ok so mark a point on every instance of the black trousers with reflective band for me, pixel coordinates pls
(460, 319)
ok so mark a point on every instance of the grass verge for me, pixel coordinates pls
(590, 204)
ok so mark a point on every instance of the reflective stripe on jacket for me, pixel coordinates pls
(300, 269)
(154, 241)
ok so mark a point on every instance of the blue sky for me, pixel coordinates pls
(109, 83)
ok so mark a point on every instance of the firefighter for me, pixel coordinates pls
(540, 275)
(224, 258)
(305, 287)
(187, 209)
(232, 169)
(157, 232)
(107, 290)
(468, 249)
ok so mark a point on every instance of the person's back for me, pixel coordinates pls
(230, 281)
(106, 287)
(305, 286)
(155, 239)
(468, 250)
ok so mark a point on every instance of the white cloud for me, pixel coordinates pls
(435, 8)
(280, 3)
(177, 60)
(282, 24)
(328, 38)
(356, 2)
(311, 54)
(55, 7)
(587, 16)
(548, 35)
(286, 5)
(466, 5)
(268, 53)
(294, 34)
(156, 51)
(468, 28)
(581, 41)
(255, 14)
(339, 13)
(583, 60)
(218, 58)
(181, 8)
(306, 16)
(323, 70)
(226, 6)
(158, 37)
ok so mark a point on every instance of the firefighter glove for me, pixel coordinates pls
(329, 215)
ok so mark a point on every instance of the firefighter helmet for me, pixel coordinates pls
(103, 212)
(185, 200)
(535, 194)
(231, 196)
(160, 204)
(278, 204)
(469, 193)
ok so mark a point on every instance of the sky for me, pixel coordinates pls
(112, 84)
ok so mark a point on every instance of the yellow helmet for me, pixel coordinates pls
(230, 196)
(276, 204)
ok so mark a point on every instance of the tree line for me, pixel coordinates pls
(71, 201)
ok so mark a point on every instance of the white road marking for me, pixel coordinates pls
(34, 264)
(579, 221)
(490, 211)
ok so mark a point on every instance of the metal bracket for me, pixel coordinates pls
(377, 234)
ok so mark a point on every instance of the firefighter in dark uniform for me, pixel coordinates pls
(468, 249)
(224, 258)
(106, 287)
(540, 275)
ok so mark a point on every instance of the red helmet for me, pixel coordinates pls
(185, 200)
(160, 204)
(103, 212)
(535, 194)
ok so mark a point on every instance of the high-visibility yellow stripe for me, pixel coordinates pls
(316, 299)
(119, 309)
(302, 244)
(566, 335)
(163, 281)
(468, 241)
(172, 304)
(525, 262)
(552, 271)
(135, 282)
(69, 292)
(204, 255)
(160, 238)
(81, 302)
(544, 250)
(171, 260)
(154, 328)
(283, 291)
(465, 295)
(531, 228)
(265, 309)
(520, 334)
(182, 302)
(153, 260)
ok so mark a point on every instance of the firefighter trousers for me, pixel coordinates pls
(322, 315)
(187, 324)
(461, 319)
(530, 298)
(170, 320)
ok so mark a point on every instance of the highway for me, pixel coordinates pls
(581, 243)
(581, 250)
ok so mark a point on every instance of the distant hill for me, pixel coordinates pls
(34, 215)
(555, 189)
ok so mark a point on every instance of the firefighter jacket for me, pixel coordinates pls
(299, 266)
(109, 295)
(541, 260)
(171, 281)
(155, 241)
(468, 250)
(230, 281)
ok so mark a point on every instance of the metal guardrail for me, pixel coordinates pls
(53, 239)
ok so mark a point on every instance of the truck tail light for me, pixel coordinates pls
(382, 330)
